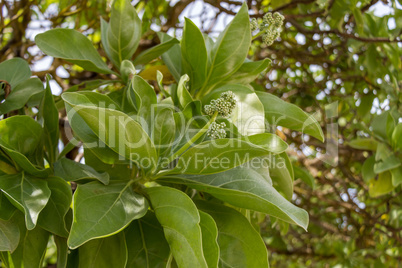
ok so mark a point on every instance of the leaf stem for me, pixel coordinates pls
(193, 139)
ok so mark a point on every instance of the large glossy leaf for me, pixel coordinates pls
(100, 210)
(194, 55)
(123, 32)
(282, 113)
(49, 117)
(217, 155)
(231, 48)
(52, 216)
(269, 141)
(118, 131)
(83, 131)
(20, 94)
(70, 170)
(180, 220)
(14, 71)
(248, 116)
(146, 243)
(172, 58)
(20, 133)
(247, 72)
(9, 234)
(240, 244)
(31, 249)
(154, 52)
(63, 43)
(19, 138)
(209, 239)
(246, 188)
(104, 252)
(27, 193)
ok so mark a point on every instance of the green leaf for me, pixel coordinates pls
(397, 137)
(379, 125)
(27, 193)
(21, 139)
(179, 217)
(116, 171)
(248, 116)
(104, 252)
(145, 98)
(14, 71)
(305, 176)
(62, 251)
(246, 188)
(396, 176)
(127, 71)
(240, 244)
(31, 247)
(382, 185)
(368, 169)
(9, 234)
(209, 239)
(70, 170)
(52, 216)
(154, 52)
(117, 130)
(63, 43)
(6, 208)
(101, 211)
(281, 172)
(183, 95)
(194, 55)
(20, 133)
(217, 155)
(231, 48)
(385, 159)
(282, 113)
(172, 57)
(146, 243)
(363, 144)
(21, 94)
(268, 141)
(248, 72)
(164, 130)
(123, 32)
(49, 117)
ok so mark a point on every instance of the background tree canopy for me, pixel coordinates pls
(340, 60)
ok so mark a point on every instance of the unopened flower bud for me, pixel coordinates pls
(217, 131)
(223, 105)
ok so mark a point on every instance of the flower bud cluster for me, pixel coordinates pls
(270, 27)
(216, 130)
(223, 105)
(253, 24)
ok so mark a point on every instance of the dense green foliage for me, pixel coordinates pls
(133, 113)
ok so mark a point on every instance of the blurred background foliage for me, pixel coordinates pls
(337, 59)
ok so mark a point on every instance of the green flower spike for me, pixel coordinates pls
(223, 106)
(217, 131)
